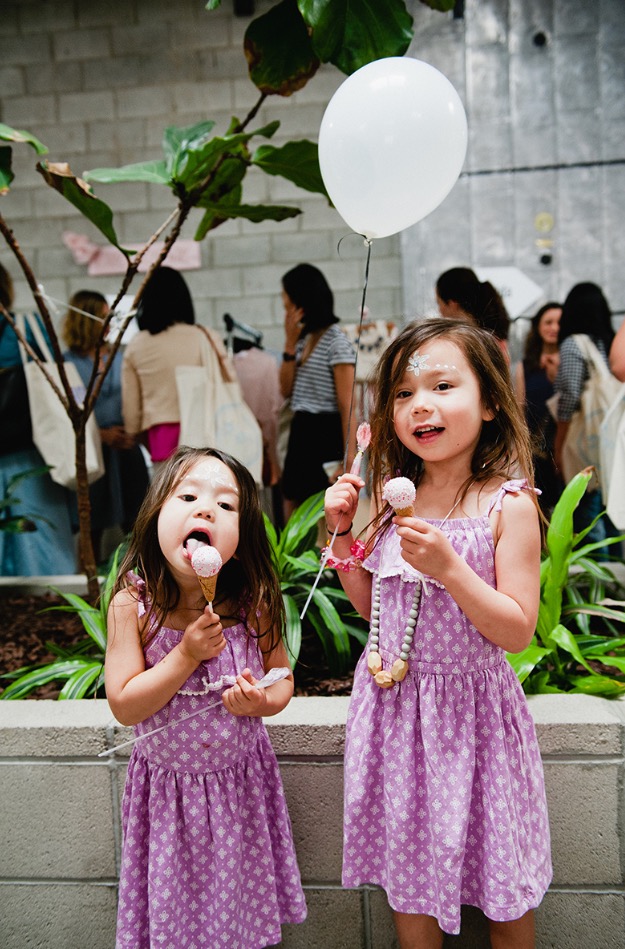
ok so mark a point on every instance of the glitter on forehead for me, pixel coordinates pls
(416, 363)
(214, 474)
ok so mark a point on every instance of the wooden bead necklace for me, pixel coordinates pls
(383, 677)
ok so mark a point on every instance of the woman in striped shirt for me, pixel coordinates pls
(317, 375)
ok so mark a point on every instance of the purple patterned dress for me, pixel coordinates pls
(208, 857)
(444, 792)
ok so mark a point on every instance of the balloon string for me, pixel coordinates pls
(352, 400)
(368, 243)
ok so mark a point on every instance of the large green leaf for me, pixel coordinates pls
(8, 134)
(296, 161)
(566, 640)
(154, 172)
(293, 632)
(34, 678)
(333, 622)
(80, 683)
(77, 192)
(278, 50)
(526, 661)
(19, 136)
(350, 33)
(598, 685)
(218, 213)
(178, 141)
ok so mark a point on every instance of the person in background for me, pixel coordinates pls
(118, 495)
(167, 338)
(49, 549)
(586, 312)
(534, 381)
(617, 353)
(317, 375)
(461, 295)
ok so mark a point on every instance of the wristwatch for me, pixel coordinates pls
(288, 357)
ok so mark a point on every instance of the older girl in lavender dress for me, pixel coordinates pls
(208, 857)
(444, 790)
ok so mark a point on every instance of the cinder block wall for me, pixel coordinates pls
(99, 82)
(60, 826)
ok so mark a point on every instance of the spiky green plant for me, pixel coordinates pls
(579, 644)
(81, 666)
(329, 613)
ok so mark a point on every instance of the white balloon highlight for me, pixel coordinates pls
(392, 143)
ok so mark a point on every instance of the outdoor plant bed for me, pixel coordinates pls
(26, 630)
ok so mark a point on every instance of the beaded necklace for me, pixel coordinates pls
(385, 678)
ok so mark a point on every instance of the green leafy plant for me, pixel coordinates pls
(284, 48)
(329, 615)
(579, 644)
(81, 666)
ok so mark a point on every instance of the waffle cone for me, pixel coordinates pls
(209, 585)
(405, 511)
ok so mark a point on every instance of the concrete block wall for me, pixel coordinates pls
(544, 90)
(60, 826)
(98, 83)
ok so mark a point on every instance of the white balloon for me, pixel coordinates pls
(392, 143)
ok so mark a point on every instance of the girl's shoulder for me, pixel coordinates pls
(495, 492)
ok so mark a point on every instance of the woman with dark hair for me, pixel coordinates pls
(317, 375)
(585, 312)
(461, 295)
(118, 495)
(534, 381)
(167, 339)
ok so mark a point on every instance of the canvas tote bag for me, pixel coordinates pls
(213, 413)
(582, 445)
(612, 444)
(52, 429)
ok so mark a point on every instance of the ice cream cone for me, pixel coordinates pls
(405, 511)
(209, 585)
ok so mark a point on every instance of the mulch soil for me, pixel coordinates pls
(26, 631)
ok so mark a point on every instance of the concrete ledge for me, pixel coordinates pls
(61, 832)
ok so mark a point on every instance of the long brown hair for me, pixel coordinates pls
(504, 447)
(250, 580)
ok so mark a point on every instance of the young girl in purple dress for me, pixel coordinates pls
(444, 791)
(208, 857)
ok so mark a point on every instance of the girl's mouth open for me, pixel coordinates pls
(426, 434)
(194, 540)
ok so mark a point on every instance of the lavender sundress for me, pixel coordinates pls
(444, 791)
(208, 857)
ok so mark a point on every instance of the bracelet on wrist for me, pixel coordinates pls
(340, 533)
(288, 357)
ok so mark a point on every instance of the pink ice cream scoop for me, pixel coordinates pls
(400, 494)
(206, 561)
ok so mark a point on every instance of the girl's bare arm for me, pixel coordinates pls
(135, 692)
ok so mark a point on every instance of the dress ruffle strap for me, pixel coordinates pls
(515, 486)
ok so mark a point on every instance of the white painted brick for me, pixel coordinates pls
(86, 105)
(203, 98)
(139, 39)
(103, 14)
(81, 44)
(52, 77)
(12, 81)
(29, 111)
(242, 251)
(142, 102)
(129, 71)
(22, 50)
